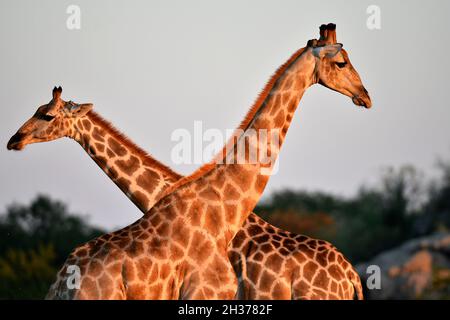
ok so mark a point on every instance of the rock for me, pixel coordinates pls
(418, 269)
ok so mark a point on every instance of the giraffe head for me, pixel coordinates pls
(334, 69)
(51, 121)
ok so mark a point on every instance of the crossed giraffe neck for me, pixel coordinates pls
(144, 180)
(234, 182)
(260, 253)
(187, 233)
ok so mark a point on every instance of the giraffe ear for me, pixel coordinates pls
(328, 51)
(79, 110)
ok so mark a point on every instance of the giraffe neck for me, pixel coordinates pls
(263, 130)
(136, 173)
(239, 184)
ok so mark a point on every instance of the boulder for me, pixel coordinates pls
(418, 269)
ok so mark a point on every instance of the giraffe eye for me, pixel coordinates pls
(45, 117)
(341, 64)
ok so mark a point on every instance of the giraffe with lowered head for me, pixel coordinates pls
(263, 255)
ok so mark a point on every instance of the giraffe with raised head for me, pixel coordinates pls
(136, 173)
(266, 258)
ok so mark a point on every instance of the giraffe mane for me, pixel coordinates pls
(245, 123)
(148, 160)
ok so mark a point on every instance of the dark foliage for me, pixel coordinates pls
(377, 218)
(34, 242)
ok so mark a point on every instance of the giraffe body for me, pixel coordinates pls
(184, 237)
(161, 256)
(274, 264)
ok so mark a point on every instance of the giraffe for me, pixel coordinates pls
(310, 266)
(136, 173)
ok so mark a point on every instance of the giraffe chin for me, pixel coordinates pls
(15, 146)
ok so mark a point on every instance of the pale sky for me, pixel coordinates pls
(151, 67)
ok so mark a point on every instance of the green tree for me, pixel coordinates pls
(35, 240)
(377, 218)
(437, 209)
(27, 274)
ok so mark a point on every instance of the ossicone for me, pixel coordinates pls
(57, 92)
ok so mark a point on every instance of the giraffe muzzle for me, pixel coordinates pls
(16, 142)
(362, 99)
